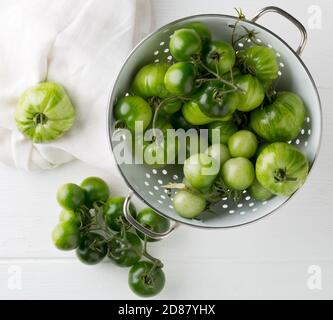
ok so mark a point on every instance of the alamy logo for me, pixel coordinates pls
(315, 277)
(14, 277)
(315, 17)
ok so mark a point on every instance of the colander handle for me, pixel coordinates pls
(285, 14)
(139, 227)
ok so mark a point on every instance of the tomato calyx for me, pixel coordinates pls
(40, 118)
(280, 175)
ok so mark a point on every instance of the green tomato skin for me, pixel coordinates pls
(258, 192)
(69, 215)
(253, 94)
(243, 143)
(214, 103)
(219, 152)
(144, 282)
(259, 61)
(188, 205)
(92, 249)
(96, 190)
(66, 235)
(280, 121)
(70, 196)
(153, 221)
(122, 256)
(132, 109)
(149, 81)
(202, 30)
(281, 168)
(180, 78)
(195, 167)
(219, 57)
(170, 107)
(222, 129)
(238, 173)
(185, 43)
(44, 112)
(193, 114)
(113, 213)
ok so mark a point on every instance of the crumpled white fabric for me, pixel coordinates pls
(80, 44)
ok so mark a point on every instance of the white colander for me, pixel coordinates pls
(146, 182)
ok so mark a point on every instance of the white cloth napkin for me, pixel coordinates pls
(80, 44)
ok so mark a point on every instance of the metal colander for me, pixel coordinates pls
(146, 182)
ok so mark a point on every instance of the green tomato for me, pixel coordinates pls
(223, 131)
(258, 192)
(219, 56)
(113, 213)
(193, 114)
(70, 196)
(243, 143)
(238, 173)
(188, 204)
(125, 252)
(253, 92)
(69, 215)
(281, 168)
(96, 190)
(160, 153)
(214, 101)
(153, 221)
(145, 279)
(202, 30)
(133, 109)
(170, 107)
(44, 112)
(178, 121)
(219, 152)
(259, 61)
(66, 235)
(184, 44)
(201, 170)
(92, 249)
(180, 78)
(280, 121)
(149, 81)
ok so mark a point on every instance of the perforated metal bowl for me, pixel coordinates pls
(294, 76)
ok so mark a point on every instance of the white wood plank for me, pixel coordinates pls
(191, 279)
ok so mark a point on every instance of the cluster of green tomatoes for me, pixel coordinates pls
(209, 84)
(92, 223)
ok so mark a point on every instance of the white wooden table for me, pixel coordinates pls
(268, 259)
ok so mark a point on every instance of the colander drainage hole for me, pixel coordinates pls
(148, 175)
(225, 206)
(147, 183)
(156, 53)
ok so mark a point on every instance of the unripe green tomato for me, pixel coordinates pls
(184, 44)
